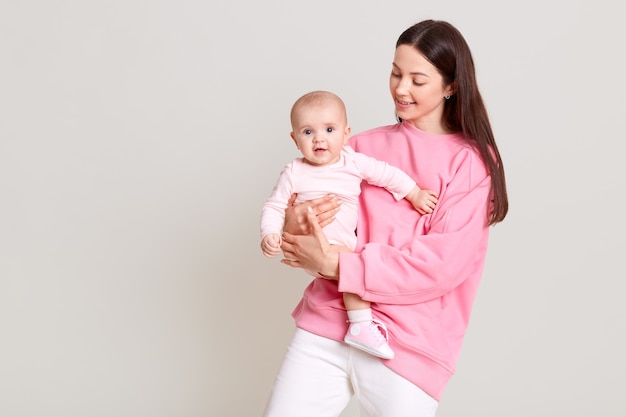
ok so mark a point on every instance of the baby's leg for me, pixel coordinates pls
(354, 302)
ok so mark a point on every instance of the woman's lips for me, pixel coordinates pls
(404, 104)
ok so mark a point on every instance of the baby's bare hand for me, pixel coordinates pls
(424, 201)
(270, 245)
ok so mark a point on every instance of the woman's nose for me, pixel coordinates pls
(403, 85)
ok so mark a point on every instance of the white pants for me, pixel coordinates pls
(319, 376)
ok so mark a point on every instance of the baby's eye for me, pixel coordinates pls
(307, 131)
(330, 129)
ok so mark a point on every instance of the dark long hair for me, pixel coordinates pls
(444, 46)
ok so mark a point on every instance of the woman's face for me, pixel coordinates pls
(418, 90)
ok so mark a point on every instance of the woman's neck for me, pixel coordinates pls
(435, 128)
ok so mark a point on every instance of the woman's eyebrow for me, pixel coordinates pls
(412, 73)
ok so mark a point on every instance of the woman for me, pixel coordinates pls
(420, 272)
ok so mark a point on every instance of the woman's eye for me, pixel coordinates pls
(393, 74)
(418, 84)
(330, 129)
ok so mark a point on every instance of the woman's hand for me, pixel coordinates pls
(311, 251)
(324, 209)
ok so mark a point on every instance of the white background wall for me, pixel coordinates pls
(139, 139)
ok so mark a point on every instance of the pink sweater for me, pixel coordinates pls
(421, 273)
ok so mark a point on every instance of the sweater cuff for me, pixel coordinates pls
(351, 273)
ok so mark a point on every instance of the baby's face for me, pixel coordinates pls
(320, 132)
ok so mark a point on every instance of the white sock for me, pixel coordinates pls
(360, 315)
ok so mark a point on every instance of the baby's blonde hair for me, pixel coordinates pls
(317, 98)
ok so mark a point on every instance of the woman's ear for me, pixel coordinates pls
(450, 89)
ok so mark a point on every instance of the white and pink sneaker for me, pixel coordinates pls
(369, 336)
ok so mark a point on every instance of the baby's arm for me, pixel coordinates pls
(273, 213)
(270, 245)
(394, 180)
(424, 201)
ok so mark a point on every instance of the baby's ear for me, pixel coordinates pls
(293, 137)
(346, 134)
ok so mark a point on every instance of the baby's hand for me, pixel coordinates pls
(270, 245)
(424, 201)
